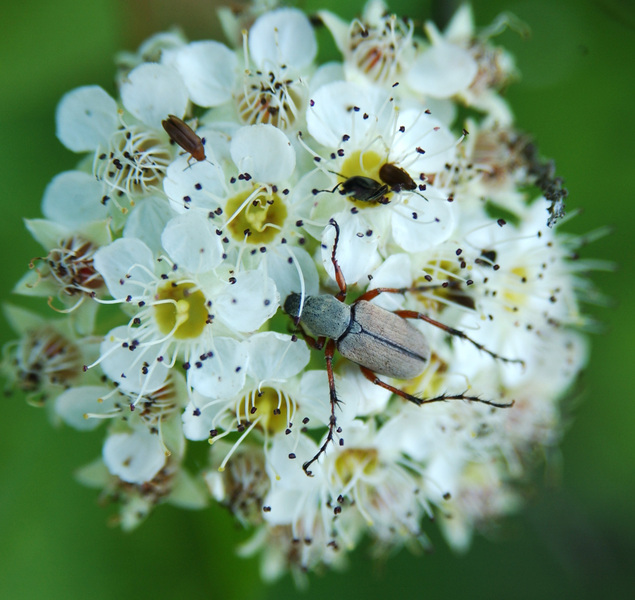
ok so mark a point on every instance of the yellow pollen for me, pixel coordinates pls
(186, 314)
(514, 298)
(271, 411)
(260, 220)
(430, 383)
(349, 462)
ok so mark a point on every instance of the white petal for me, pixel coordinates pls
(285, 505)
(134, 457)
(356, 252)
(442, 71)
(423, 132)
(274, 356)
(359, 397)
(340, 29)
(147, 220)
(21, 320)
(264, 152)
(333, 112)
(85, 118)
(326, 73)
(134, 370)
(394, 272)
(314, 397)
(76, 403)
(192, 243)
(152, 92)
(287, 474)
(124, 265)
(196, 185)
(197, 423)
(73, 198)
(209, 70)
(47, 233)
(283, 264)
(282, 37)
(248, 303)
(434, 223)
(461, 25)
(222, 375)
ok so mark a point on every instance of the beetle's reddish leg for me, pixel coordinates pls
(316, 343)
(370, 294)
(328, 353)
(372, 377)
(413, 314)
(339, 276)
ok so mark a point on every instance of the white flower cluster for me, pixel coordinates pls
(222, 182)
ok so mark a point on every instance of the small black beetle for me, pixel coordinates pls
(379, 341)
(366, 189)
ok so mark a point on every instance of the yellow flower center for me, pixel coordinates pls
(186, 315)
(349, 463)
(514, 298)
(364, 164)
(270, 410)
(431, 382)
(259, 220)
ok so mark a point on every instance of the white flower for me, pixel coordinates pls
(264, 397)
(46, 359)
(268, 88)
(131, 153)
(74, 199)
(245, 197)
(67, 271)
(462, 63)
(442, 70)
(523, 282)
(175, 309)
(363, 132)
(378, 48)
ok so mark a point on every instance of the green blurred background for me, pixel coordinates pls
(576, 537)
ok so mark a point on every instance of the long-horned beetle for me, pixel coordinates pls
(381, 342)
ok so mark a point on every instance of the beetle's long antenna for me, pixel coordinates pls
(302, 282)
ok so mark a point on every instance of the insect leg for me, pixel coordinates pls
(372, 377)
(413, 314)
(315, 343)
(370, 294)
(339, 276)
(328, 353)
(315, 191)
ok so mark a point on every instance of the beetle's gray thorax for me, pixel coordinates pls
(322, 315)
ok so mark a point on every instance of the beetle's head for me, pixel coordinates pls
(293, 306)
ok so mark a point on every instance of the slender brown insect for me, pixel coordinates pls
(183, 135)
